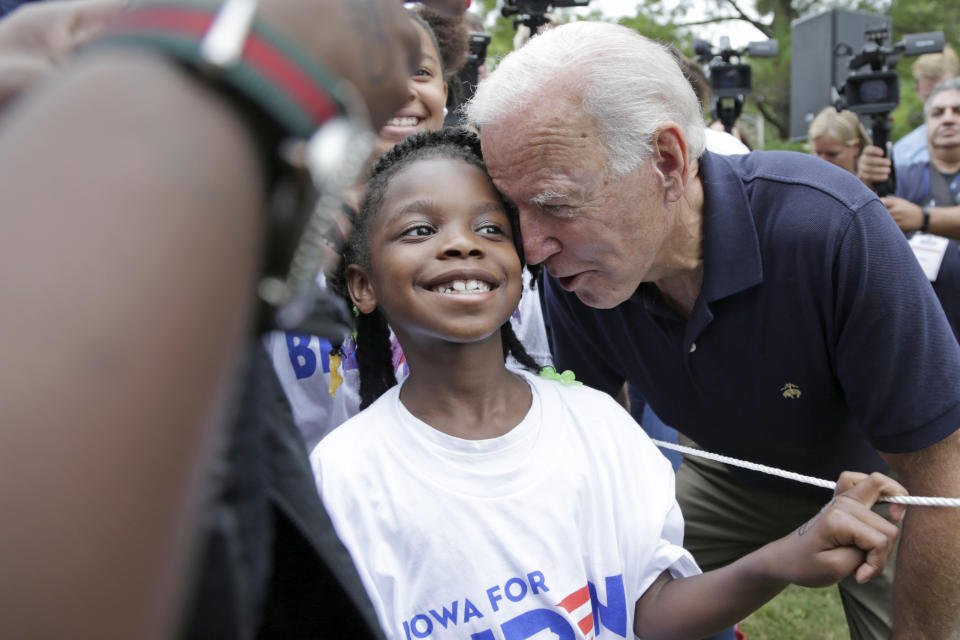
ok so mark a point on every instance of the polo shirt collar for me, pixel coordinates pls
(731, 249)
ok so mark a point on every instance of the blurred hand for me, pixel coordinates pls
(873, 166)
(845, 537)
(907, 215)
(37, 37)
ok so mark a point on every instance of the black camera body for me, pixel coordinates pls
(873, 87)
(477, 51)
(464, 82)
(730, 80)
(872, 92)
(533, 13)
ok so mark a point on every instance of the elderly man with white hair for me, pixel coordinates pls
(758, 302)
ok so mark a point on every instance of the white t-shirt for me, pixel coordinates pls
(302, 363)
(558, 526)
(723, 143)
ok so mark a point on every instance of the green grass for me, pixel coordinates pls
(799, 614)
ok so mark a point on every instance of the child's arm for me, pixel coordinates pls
(846, 536)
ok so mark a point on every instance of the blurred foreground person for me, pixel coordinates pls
(135, 232)
(37, 38)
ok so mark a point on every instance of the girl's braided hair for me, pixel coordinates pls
(373, 349)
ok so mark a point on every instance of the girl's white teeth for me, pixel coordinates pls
(463, 286)
(406, 121)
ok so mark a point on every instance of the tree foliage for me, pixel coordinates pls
(919, 17)
(680, 21)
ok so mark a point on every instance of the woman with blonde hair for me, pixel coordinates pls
(838, 137)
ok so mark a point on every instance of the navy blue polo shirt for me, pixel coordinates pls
(816, 340)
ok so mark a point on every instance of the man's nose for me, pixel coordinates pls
(539, 243)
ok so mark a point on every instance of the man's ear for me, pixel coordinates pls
(670, 160)
(360, 288)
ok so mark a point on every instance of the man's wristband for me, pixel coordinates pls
(926, 220)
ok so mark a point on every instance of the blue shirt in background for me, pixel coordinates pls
(911, 148)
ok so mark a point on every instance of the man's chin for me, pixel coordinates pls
(949, 139)
(598, 297)
(592, 289)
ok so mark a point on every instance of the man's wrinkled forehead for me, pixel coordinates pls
(554, 134)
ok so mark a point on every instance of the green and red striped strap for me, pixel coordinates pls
(273, 73)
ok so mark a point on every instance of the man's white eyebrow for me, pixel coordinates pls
(544, 197)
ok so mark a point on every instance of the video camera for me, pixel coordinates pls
(877, 89)
(533, 13)
(730, 79)
(873, 86)
(464, 82)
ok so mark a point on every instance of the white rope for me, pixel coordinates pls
(817, 482)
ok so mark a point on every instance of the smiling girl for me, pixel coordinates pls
(320, 380)
(427, 88)
(302, 362)
(484, 503)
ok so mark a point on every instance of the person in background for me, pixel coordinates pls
(838, 137)
(926, 203)
(929, 70)
(927, 196)
(443, 43)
